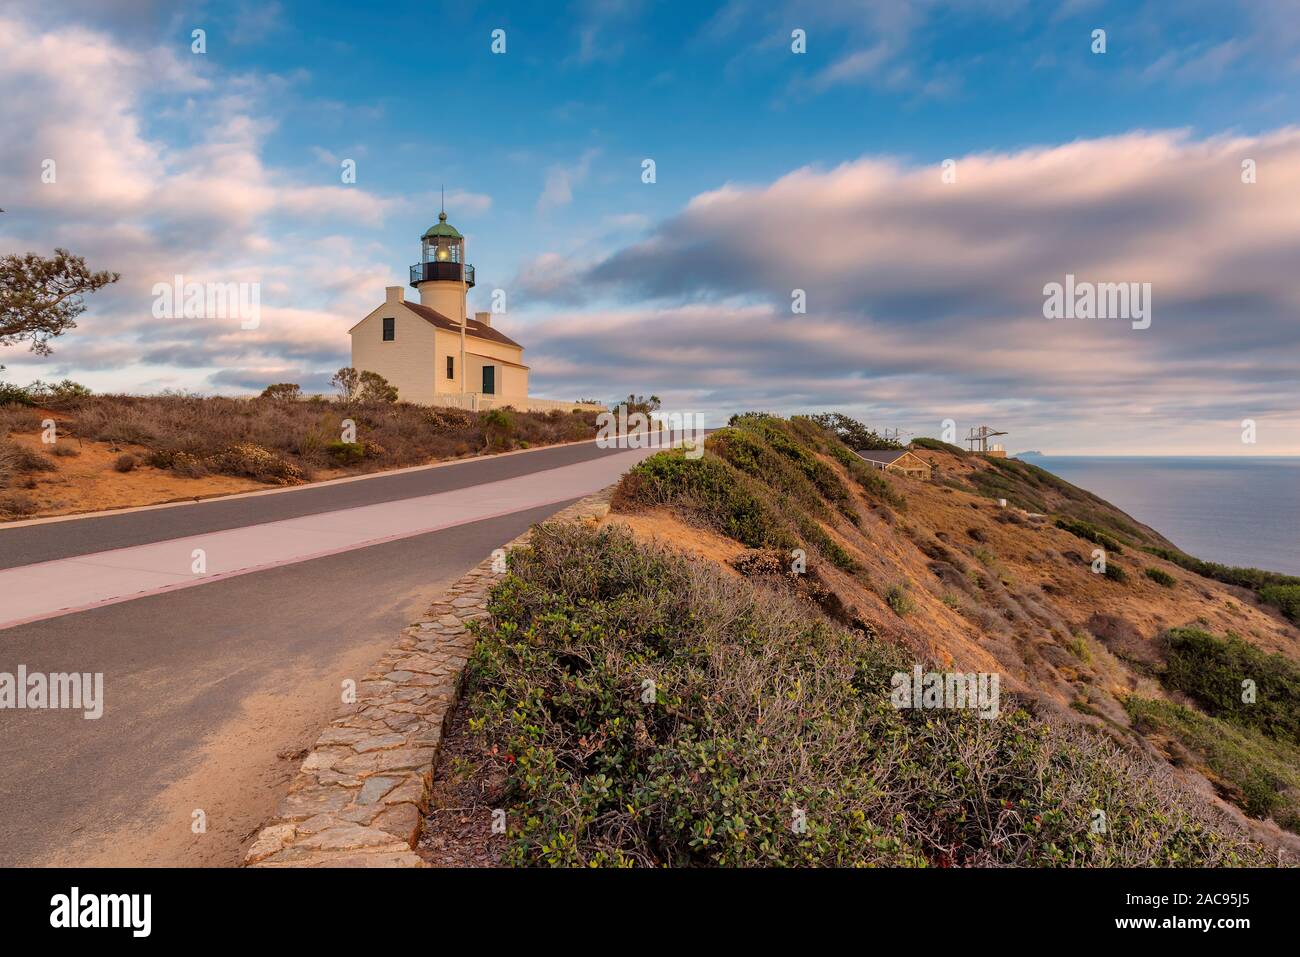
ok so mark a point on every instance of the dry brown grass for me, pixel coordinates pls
(193, 435)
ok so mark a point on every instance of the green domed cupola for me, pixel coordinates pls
(442, 258)
(443, 228)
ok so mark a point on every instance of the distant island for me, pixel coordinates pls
(1031, 454)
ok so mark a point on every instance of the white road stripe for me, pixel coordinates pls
(63, 586)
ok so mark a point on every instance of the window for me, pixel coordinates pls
(451, 367)
(489, 380)
(390, 330)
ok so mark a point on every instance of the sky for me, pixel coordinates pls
(917, 176)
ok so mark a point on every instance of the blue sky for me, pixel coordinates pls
(775, 170)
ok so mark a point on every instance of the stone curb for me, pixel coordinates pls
(360, 796)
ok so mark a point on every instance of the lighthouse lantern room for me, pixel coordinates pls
(442, 276)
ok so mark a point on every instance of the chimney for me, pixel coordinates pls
(393, 294)
(484, 317)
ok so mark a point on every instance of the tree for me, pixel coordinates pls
(375, 388)
(639, 403)
(853, 433)
(362, 386)
(347, 381)
(40, 298)
(283, 392)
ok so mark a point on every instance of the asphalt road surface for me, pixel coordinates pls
(212, 692)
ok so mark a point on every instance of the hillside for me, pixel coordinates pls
(1121, 691)
(120, 451)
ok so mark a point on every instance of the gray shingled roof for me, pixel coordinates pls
(472, 326)
(883, 456)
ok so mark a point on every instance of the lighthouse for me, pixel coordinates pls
(433, 351)
(442, 277)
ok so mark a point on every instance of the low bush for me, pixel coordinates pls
(1115, 573)
(1260, 775)
(899, 600)
(48, 394)
(711, 490)
(255, 462)
(776, 436)
(1212, 671)
(345, 453)
(17, 417)
(1090, 533)
(18, 460)
(126, 462)
(1285, 597)
(1161, 577)
(853, 433)
(282, 392)
(644, 709)
(747, 452)
(934, 445)
(17, 505)
(820, 539)
(498, 430)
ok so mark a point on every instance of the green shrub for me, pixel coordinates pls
(1161, 577)
(282, 392)
(993, 484)
(1090, 533)
(778, 436)
(818, 537)
(747, 452)
(1115, 573)
(644, 709)
(1078, 646)
(1285, 597)
(934, 445)
(899, 600)
(14, 394)
(498, 429)
(345, 453)
(1211, 670)
(853, 433)
(712, 490)
(54, 394)
(1260, 775)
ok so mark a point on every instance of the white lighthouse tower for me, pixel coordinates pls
(442, 276)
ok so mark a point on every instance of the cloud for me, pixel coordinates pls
(602, 26)
(925, 298)
(561, 179)
(159, 171)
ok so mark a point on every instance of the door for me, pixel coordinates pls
(489, 380)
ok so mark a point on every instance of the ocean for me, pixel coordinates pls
(1238, 511)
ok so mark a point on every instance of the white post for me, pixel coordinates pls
(464, 294)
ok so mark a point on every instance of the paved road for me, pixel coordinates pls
(45, 541)
(211, 692)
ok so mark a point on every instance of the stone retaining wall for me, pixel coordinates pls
(360, 797)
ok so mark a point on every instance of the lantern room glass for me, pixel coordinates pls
(442, 249)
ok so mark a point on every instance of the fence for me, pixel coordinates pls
(478, 402)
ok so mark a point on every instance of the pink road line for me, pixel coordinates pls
(66, 586)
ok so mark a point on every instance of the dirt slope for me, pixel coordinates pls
(973, 586)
